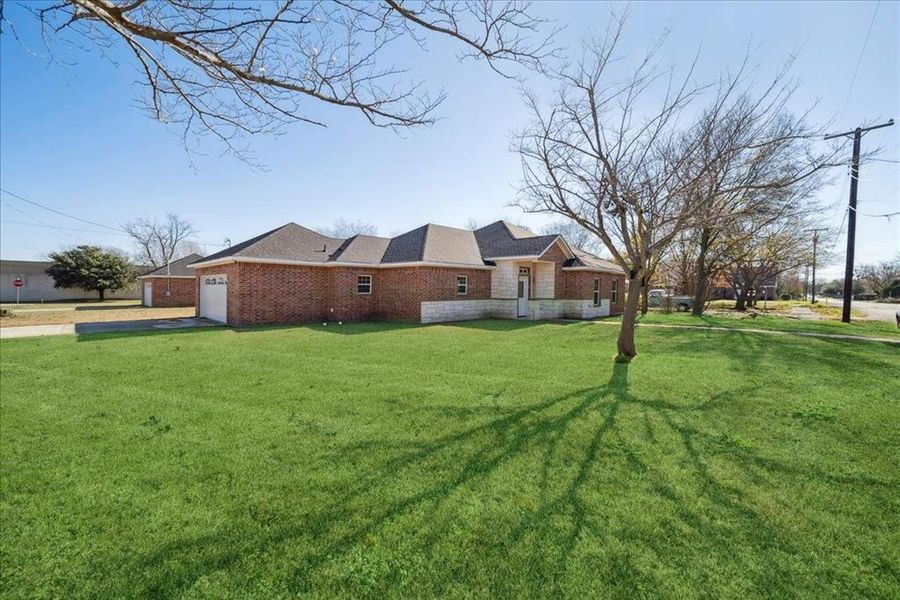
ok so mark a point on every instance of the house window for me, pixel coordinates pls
(524, 270)
(364, 284)
(615, 291)
(597, 292)
(462, 284)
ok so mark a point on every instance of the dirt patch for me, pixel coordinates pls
(58, 317)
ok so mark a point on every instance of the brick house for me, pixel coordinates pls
(430, 274)
(172, 285)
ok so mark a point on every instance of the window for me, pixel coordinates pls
(364, 284)
(597, 292)
(615, 292)
(462, 284)
(524, 270)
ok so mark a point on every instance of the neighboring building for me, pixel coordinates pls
(430, 274)
(39, 285)
(172, 285)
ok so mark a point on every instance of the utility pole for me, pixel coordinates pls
(851, 218)
(815, 232)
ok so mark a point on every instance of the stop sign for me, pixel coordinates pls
(18, 282)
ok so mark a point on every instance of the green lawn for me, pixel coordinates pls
(857, 327)
(489, 459)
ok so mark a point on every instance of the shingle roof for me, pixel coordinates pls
(505, 239)
(177, 268)
(588, 260)
(406, 247)
(435, 244)
(288, 242)
(430, 244)
(367, 249)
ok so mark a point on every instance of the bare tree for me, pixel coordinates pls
(599, 157)
(760, 168)
(776, 248)
(246, 67)
(158, 243)
(344, 229)
(881, 277)
(575, 234)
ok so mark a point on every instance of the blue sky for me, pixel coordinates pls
(72, 137)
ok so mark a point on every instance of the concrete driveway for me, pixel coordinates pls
(880, 311)
(104, 327)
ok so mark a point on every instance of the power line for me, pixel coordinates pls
(80, 229)
(53, 210)
(116, 230)
(41, 223)
(859, 60)
(887, 215)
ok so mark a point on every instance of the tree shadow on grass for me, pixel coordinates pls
(376, 326)
(568, 449)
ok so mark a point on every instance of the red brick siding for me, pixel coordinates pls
(343, 302)
(579, 285)
(182, 292)
(260, 293)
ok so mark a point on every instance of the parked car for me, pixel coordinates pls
(865, 296)
(660, 299)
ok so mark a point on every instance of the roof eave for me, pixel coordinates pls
(302, 263)
(611, 270)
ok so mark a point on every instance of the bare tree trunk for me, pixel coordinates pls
(645, 296)
(625, 346)
(740, 303)
(701, 285)
(102, 293)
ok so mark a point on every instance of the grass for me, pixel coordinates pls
(87, 312)
(826, 308)
(735, 320)
(488, 459)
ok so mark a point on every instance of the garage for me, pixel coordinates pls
(214, 297)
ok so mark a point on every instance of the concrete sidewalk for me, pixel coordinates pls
(103, 327)
(7, 333)
(833, 336)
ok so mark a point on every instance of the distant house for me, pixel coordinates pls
(430, 274)
(38, 285)
(171, 285)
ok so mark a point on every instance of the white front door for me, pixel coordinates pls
(214, 297)
(148, 294)
(522, 296)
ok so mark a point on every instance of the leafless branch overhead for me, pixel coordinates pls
(238, 67)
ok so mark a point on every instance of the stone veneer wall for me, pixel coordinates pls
(463, 310)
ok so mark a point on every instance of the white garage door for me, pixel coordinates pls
(214, 297)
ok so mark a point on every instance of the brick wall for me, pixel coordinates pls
(181, 291)
(579, 285)
(261, 293)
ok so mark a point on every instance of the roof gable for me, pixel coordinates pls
(497, 240)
